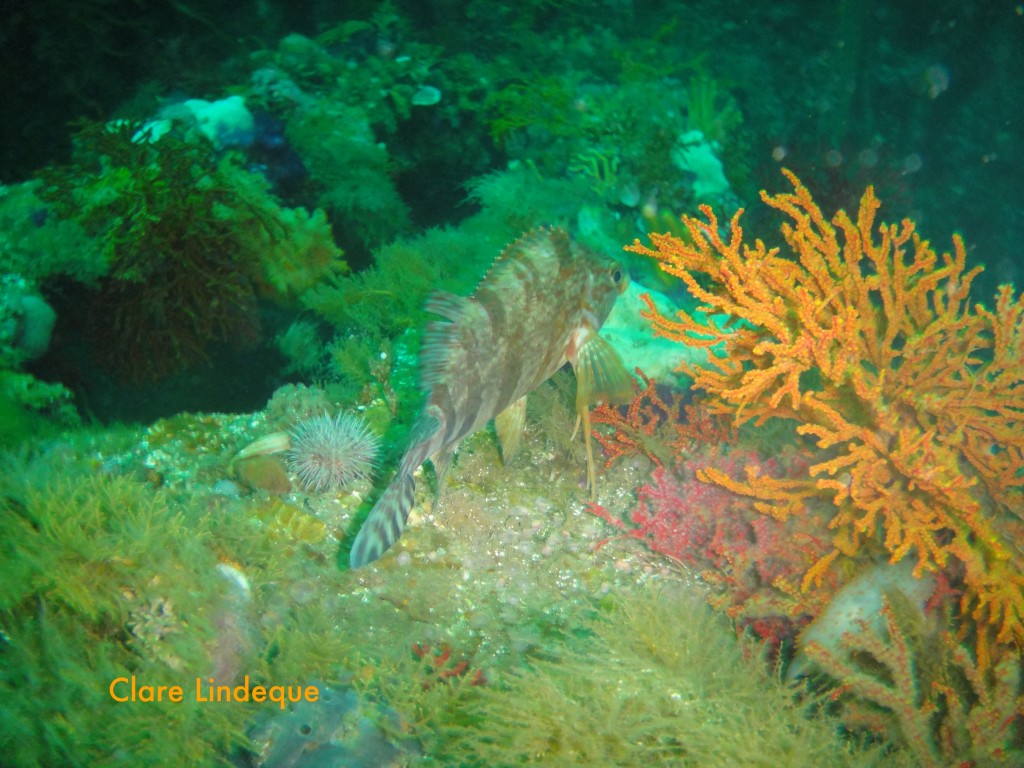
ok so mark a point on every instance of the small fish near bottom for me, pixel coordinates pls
(540, 306)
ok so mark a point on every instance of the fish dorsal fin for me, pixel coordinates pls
(518, 253)
(439, 335)
(446, 305)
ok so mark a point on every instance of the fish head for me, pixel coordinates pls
(607, 279)
(601, 376)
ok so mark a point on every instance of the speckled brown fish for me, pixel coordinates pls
(540, 305)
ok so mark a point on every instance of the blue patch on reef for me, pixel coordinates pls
(272, 156)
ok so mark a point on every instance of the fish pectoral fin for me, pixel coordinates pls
(509, 426)
(601, 376)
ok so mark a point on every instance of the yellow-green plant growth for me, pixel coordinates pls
(102, 578)
(105, 577)
(657, 680)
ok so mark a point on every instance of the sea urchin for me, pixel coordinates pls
(329, 453)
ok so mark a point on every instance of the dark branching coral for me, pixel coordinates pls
(187, 241)
(175, 283)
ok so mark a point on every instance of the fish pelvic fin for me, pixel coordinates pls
(385, 523)
(509, 426)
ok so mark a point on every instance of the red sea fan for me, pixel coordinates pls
(669, 517)
(751, 563)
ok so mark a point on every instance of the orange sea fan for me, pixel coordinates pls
(866, 339)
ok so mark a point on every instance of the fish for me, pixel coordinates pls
(538, 307)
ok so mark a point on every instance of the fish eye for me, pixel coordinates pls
(616, 275)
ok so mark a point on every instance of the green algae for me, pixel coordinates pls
(104, 577)
(657, 680)
(91, 564)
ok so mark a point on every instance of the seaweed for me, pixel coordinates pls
(657, 679)
(104, 577)
(189, 240)
(100, 580)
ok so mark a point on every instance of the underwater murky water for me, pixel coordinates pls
(284, 246)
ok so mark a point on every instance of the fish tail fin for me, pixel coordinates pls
(385, 523)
